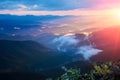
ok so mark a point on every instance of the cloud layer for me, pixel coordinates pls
(68, 43)
(63, 42)
(88, 51)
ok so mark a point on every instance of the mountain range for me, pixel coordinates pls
(26, 56)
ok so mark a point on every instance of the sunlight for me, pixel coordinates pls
(114, 18)
(86, 33)
(116, 12)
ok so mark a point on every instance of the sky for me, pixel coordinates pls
(88, 14)
(43, 4)
(55, 7)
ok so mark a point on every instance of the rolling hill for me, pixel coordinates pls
(28, 56)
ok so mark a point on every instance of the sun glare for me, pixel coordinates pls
(116, 12)
(113, 17)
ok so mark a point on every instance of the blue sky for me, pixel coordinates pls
(43, 4)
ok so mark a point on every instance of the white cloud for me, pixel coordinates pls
(63, 42)
(22, 7)
(35, 6)
(88, 51)
(75, 12)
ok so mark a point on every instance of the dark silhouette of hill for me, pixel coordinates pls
(22, 76)
(107, 40)
(27, 57)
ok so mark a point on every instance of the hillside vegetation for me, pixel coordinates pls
(101, 71)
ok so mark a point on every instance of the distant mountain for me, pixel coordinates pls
(14, 24)
(28, 17)
(44, 39)
(28, 56)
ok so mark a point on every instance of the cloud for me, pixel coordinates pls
(38, 13)
(75, 12)
(22, 7)
(66, 43)
(88, 51)
(35, 6)
(63, 42)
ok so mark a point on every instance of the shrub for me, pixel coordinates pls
(106, 71)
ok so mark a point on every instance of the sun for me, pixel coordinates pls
(116, 18)
(116, 12)
(110, 17)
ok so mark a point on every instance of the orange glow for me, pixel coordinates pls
(86, 33)
(69, 34)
